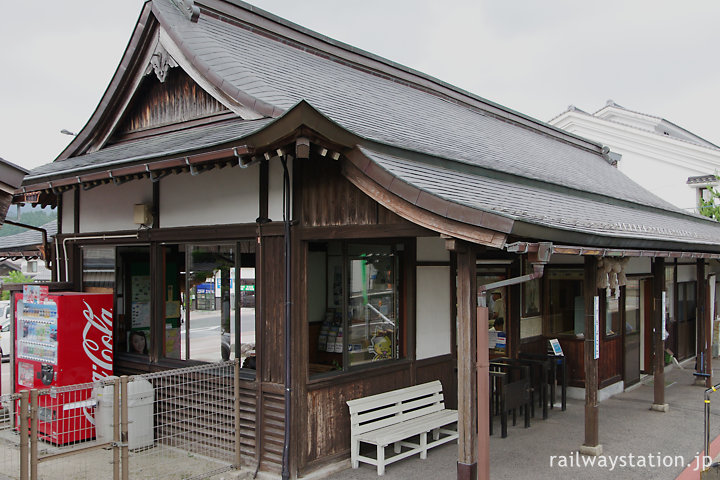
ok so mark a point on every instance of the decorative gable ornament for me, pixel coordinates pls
(160, 63)
(188, 8)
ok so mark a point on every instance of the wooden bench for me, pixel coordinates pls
(396, 417)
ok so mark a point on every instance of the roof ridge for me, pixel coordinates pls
(466, 97)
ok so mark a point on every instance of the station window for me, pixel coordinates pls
(566, 302)
(354, 307)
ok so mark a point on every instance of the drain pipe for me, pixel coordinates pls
(288, 324)
(44, 237)
(537, 257)
(86, 237)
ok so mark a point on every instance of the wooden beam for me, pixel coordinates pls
(467, 378)
(659, 404)
(592, 444)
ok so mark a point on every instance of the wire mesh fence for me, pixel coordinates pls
(176, 424)
(9, 438)
(188, 430)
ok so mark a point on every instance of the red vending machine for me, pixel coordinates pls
(63, 339)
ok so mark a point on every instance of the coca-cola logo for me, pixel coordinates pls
(100, 354)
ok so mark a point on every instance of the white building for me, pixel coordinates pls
(656, 153)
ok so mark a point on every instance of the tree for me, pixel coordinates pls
(15, 277)
(710, 207)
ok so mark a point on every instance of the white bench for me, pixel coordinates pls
(397, 416)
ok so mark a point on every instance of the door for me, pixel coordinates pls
(686, 303)
(632, 331)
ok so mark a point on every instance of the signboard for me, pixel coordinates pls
(596, 327)
(556, 348)
(664, 316)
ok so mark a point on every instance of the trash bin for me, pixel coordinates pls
(140, 413)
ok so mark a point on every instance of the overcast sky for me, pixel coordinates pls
(537, 57)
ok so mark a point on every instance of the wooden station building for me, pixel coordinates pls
(339, 213)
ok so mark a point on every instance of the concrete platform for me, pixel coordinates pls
(638, 443)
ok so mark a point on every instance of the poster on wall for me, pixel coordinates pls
(596, 327)
(172, 341)
(140, 315)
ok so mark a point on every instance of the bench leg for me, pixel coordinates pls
(397, 447)
(381, 459)
(423, 445)
(436, 434)
(354, 453)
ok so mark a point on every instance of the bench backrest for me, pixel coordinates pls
(396, 406)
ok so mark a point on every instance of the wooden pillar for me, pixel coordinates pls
(659, 404)
(703, 326)
(592, 445)
(710, 316)
(467, 465)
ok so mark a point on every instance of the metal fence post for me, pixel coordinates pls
(236, 377)
(116, 429)
(33, 434)
(24, 404)
(124, 427)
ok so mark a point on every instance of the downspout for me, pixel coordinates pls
(44, 237)
(288, 377)
(537, 258)
(86, 237)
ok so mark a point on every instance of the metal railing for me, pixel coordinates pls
(176, 424)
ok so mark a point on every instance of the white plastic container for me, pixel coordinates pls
(140, 414)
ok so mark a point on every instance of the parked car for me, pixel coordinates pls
(5, 333)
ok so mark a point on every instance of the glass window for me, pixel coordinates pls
(632, 305)
(372, 304)
(353, 304)
(612, 314)
(98, 269)
(133, 297)
(496, 302)
(566, 304)
(209, 323)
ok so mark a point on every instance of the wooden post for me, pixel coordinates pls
(592, 445)
(710, 316)
(704, 326)
(701, 319)
(116, 429)
(124, 438)
(483, 394)
(467, 379)
(33, 434)
(659, 404)
(24, 418)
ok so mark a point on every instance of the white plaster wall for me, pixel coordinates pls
(109, 207)
(68, 212)
(275, 189)
(433, 312)
(686, 273)
(638, 265)
(217, 197)
(664, 180)
(432, 249)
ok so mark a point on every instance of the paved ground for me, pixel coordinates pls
(637, 443)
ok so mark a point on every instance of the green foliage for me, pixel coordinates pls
(18, 277)
(711, 207)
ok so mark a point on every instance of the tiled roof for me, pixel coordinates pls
(544, 205)
(28, 238)
(152, 147)
(533, 173)
(382, 109)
